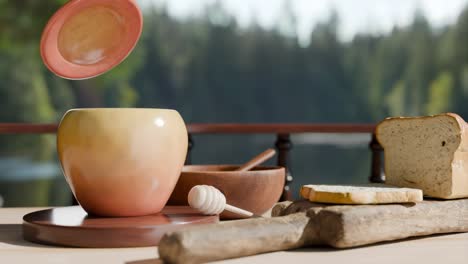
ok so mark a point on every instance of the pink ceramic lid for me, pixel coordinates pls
(86, 38)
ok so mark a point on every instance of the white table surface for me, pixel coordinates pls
(446, 249)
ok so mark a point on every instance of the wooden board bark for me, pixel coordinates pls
(303, 223)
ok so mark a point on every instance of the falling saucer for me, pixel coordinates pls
(86, 38)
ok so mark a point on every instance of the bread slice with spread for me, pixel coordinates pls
(360, 194)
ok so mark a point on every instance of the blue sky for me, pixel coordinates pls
(374, 16)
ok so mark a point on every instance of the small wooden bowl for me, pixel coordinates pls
(256, 190)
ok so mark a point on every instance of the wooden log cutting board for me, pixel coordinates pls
(304, 224)
(72, 226)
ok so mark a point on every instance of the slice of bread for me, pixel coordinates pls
(360, 194)
(429, 153)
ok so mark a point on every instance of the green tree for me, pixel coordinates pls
(420, 67)
(440, 94)
(395, 100)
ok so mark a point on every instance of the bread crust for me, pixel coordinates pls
(459, 160)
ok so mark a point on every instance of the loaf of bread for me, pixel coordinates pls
(428, 153)
(360, 194)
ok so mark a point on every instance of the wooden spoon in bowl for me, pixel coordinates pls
(257, 160)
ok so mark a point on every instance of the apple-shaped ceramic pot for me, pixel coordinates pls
(122, 161)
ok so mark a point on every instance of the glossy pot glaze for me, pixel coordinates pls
(122, 162)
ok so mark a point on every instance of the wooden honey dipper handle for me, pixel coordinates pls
(257, 160)
(211, 201)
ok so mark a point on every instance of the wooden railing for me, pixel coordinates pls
(282, 131)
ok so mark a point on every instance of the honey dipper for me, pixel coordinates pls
(211, 201)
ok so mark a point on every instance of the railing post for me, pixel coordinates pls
(188, 158)
(377, 172)
(284, 145)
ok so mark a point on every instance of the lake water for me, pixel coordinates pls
(315, 158)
